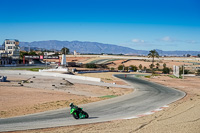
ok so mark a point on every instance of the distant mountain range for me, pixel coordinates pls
(95, 48)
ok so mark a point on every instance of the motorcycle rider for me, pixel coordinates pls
(76, 107)
(79, 112)
(73, 106)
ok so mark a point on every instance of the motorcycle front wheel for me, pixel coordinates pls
(86, 115)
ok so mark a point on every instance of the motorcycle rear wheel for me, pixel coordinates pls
(75, 115)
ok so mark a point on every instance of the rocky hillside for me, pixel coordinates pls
(95, 48)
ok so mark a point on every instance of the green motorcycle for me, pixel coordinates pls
(78, 113)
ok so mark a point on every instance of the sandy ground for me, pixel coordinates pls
(106, 77)
(182, 116)
(41, 94)
(147, 63)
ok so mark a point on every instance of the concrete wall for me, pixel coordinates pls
(79, 72)
(4, 72)
(56, 70)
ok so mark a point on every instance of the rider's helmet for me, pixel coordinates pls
(71, 104)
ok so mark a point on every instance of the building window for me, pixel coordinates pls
(9, 47)
(8, 42)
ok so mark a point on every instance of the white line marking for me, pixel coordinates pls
(148, 113)
(133, 117)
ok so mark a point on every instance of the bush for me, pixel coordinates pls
(140, 66)
(198, 72)
(133, 68)
(185, 71)
(151, 66)
(149, 76)
(164, 65)
(156, 75)
(112, 68)
(126, 68)
(172, 76)
(120, 67)
(166, 70)
(91, 66)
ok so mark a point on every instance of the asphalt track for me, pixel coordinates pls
(147, 96)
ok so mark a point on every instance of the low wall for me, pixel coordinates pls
(70, 76)
(50, 74)
(79, 72)
(51, 70)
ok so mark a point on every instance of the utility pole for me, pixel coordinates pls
(183, 71)
(45, 54)
(46, 64)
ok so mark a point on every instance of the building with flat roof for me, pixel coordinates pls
(9, 52)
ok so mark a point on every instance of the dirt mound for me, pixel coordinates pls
(67, 83)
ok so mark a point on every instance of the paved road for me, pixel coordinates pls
(147, 96)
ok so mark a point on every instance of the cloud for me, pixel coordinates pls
(191, 41)
(167, 39)
(138, 41)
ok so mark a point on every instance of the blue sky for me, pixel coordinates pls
(138, 24)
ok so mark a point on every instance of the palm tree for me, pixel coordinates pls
(152, 54)
(65, 50)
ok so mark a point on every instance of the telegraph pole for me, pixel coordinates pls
(183, 71)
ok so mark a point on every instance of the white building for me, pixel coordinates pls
(76, 53)
(9, 52)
